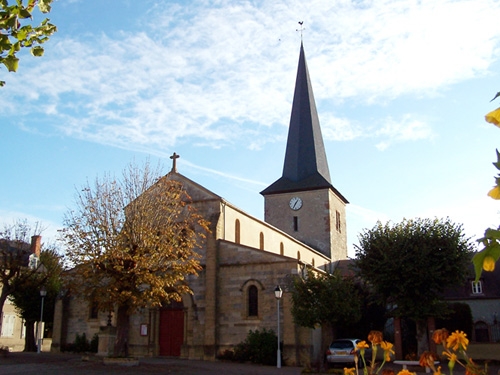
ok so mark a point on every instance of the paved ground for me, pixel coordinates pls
(72, 364)
(69, 364)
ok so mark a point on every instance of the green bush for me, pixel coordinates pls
(259, 347)
(81, 343)
(94, 343)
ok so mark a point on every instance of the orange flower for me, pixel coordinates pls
(493, 117)
(440, 335)
(387, 347)
(406, 372)
(427, 359)
(438, 372)
(388, 371)
(452, 357)
(473, 369)
(375, 337)
(362, 345)
(349, 371)
(457, 340)
(489, 263)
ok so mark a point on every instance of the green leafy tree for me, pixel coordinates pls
(133, 243)
(410, 264)
(331, 301)
(26, 296)
(325, 299)
(16, 31)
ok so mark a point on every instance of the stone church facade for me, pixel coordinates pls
(243, 260)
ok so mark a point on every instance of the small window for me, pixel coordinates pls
(295, 223)
(253, 301)
(477, 287)
(237, 231)
(282, 248)
(261, 241)
(94, 310)
(338, 224)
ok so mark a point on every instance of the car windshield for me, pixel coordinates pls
(342, 344)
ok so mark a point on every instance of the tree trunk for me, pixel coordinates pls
(30, 344)
(122, 328)
(422, 338)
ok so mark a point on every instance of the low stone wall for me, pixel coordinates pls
(480, 351)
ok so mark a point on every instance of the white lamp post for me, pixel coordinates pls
(43, 293)
(278, 293)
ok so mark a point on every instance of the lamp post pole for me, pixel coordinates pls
(43, 293)
(278, 293)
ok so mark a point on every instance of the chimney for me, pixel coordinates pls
(36, 242)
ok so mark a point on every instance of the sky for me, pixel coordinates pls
(401, 88)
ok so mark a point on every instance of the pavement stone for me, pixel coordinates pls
(71, 364)
(20, 363)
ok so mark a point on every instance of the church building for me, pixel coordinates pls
(243, 259)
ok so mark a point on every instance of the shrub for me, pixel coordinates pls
(94, 343)
(259, 347)
(81, 343)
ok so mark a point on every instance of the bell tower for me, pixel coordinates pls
(303, 202)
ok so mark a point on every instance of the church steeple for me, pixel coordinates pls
(306, 166)
(303, 201)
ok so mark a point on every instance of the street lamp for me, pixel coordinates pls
(278, 293)
(43, 293)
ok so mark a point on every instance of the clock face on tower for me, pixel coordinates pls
(295, 203)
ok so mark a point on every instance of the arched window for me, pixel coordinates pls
(313, 263)
(282, 249)
(261, 241)
(237, 231)
(298, 255)
(253, 301)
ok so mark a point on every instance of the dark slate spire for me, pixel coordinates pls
(306, 167)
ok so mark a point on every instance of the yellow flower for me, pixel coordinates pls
(457, 340)
(495, 193)
(440, 335)
(406, 372)
(489, 263)
(349, 371)
(438, 372)
(493, 117)
(362, 345)
(387, 347)
(452, 357)
(375, 337)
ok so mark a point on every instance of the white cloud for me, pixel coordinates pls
(223, 73)
(407, 128)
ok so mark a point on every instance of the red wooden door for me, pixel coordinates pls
(171, 332)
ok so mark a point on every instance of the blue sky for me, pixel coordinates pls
(401, 88)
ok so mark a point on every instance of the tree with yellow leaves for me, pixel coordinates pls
(132, 243)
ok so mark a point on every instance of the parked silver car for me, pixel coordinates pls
(343, 351)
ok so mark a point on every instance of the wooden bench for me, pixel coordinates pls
(405, 365)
